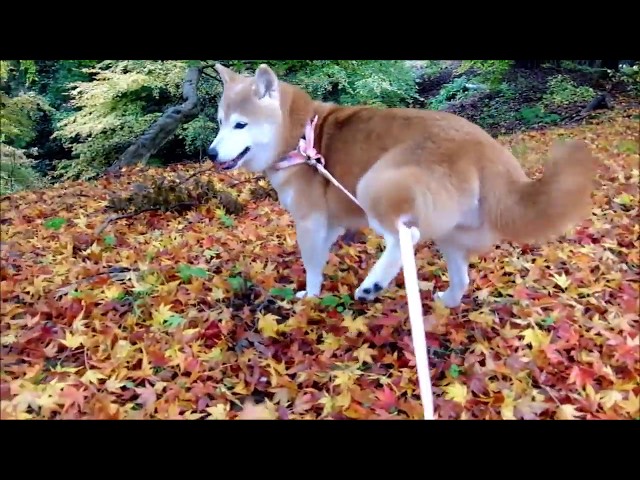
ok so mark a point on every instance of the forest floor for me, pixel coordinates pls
(166, 315)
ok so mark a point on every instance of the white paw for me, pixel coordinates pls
(368, 290)
(305, 294)
(448, 299)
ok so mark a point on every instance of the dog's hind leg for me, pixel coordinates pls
(315, 237)
(457, 262)
(389, 193)
(387, 266)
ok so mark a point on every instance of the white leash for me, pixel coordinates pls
(418, 333)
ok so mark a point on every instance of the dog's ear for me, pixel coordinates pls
(226, 74)
(266, 82)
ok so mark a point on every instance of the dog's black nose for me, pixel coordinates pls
(213, 153)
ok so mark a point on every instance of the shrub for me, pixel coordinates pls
(563, 91)
(16, 172)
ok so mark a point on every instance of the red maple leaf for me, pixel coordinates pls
(386, 399)
(581, 376)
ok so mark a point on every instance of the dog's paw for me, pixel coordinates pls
(304, 294)
(448, 299)
(368, 291)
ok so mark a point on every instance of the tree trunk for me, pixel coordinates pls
(163, 128)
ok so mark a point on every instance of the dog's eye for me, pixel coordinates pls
(240, 125)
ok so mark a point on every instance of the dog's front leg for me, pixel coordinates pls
(315, 239)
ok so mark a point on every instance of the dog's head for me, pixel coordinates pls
(250, 119)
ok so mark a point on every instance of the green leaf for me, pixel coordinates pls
(110, 240)
(199, 272)
(237, 283)
(286, 293)
(546, 321)
(226, 221)
(174, 321)
(54, 223)
(330, 301)
(187, 271)
(346, 300)
(454, 371)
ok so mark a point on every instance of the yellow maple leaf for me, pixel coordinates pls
(484, 318)
(276, 370)
(7, 339)
(507, 407)
(268, 325)
(631, 405)
(354, 325)
(456, 392)
(567, 412)
(111, 292)
(343, 378)
(536, 337)
(561, 280)
(218, 412)
(121, 349)
(242, 388)
(343, 400)
(363, 354)
(608, 398)
(329, 405)
(72, 341)
(92, 376)
(161, 314)
(113, 385)
(330, 342)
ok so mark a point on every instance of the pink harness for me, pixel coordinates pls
(306, 153)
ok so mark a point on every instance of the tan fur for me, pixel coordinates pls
(459, 186)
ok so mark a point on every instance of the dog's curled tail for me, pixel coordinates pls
(544, 208)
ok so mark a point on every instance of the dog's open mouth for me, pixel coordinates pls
(234, 163)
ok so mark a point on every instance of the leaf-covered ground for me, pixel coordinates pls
(190, 316)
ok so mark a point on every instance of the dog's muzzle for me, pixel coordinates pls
(212, 153)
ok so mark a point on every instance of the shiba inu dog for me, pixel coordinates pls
(440, 173)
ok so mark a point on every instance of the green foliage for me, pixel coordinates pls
(451, 92)
(377, 83)
(629, 76)
(198, 133)
(563, 91)
(19, 116)
(491, 72)
(537, 115)
(16, 171)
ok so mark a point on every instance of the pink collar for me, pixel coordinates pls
(306, 152)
